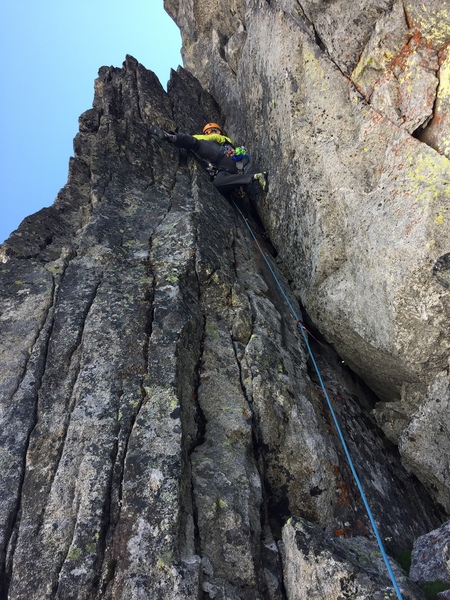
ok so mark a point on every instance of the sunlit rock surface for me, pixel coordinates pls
(160, 418)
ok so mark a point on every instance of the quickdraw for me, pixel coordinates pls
(237, 154)
(240, 153)
(230, 151)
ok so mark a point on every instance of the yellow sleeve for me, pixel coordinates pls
(214, 137)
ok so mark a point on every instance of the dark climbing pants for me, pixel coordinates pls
(225, 182)
(228, 178)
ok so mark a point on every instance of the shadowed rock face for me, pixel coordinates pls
(159, 423)
(346, 104)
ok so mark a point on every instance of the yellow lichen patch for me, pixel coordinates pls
(429, 175)
(219, 504)
(161, 396)
(444, 77)
(171, 278)
(74, 553)
(431, 19)
(366, 62)
(314, 70)
(164, 560)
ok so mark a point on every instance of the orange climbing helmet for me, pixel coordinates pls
(209, 126)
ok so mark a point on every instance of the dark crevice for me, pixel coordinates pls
(40, 348)
(106, 527)
(199, 416)
(318, 40)
(312, 28)
(266, 561)
(75, 355)
(138, 96)
(149, 297)
(200, 423)
(120, 451)
(353, 402)
(71, 407)
(113, 509)
(266, 511)
(241, 379)
(420, 131)
(408, 20)
(322, 350)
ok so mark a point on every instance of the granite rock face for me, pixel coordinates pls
(436, 544)
(160, 419)
(346, 104)
(321, 567)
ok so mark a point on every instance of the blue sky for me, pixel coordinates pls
(51, 51)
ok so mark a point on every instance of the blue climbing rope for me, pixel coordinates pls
(330, 406)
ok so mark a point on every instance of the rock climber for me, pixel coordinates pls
(223, 160)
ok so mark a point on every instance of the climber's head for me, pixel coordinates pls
(210, 128)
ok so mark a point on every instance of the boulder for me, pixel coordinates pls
(317, 567)
(430, 560)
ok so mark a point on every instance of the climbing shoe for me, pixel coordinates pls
(162, 135)
(262, 179)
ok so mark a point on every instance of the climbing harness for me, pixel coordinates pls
(303, 331)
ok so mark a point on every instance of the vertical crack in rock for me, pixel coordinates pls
(24, 399)
(127, 424)
(154, 468)
(271, 567)
(199, 418)
(408, 19)
(54, 411)
(194, 439)
(45, 319)
(312, 28)
(138, 95)
(127, 416)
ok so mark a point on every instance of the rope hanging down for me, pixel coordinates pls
(330, 406)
